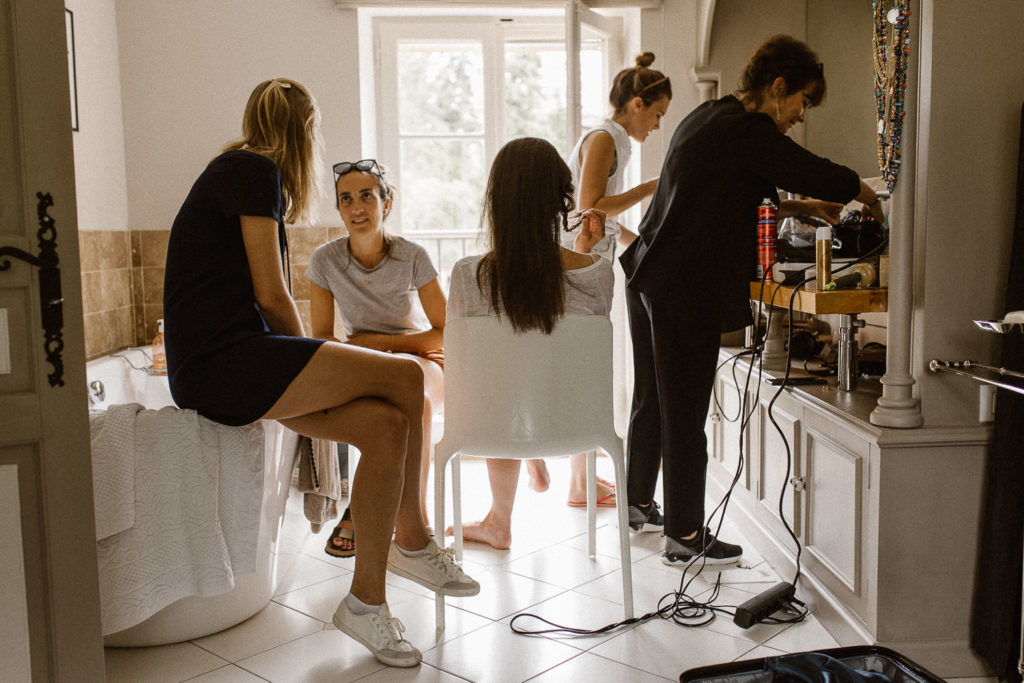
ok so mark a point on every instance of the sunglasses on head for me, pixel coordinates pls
(363, 166)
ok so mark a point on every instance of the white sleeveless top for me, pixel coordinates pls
(616, 181)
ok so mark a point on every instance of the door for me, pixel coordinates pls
(49, 596)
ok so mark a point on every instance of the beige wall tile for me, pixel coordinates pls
(92, 291)
(335, 233)
(300, 283)
(89, 250)
(139, 324)
(124, 328)
(135, 240)
(302, 242)
(93, 341)
(117, 288)
(153, 285)
(114, 249)
(154, 247)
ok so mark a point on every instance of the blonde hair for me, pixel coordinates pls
(282, 122)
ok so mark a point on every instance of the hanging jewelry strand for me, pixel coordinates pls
(891, 82)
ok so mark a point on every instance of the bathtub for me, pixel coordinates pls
(122, 378)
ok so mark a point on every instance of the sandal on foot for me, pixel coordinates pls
(341, 532)
(607, 501)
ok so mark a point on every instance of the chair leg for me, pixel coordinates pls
(591, 504)
(440, 462)
(457, 504)
(626, 559)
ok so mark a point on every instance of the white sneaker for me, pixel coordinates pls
(380, 633)
(435, 568)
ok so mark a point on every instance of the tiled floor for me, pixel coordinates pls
(546, 573)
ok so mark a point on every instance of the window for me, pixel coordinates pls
(450, 92)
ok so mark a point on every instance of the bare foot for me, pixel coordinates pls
(602, 481)
(485, 531)
(539, 479)
(605, 495)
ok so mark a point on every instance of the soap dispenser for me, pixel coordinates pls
(159, 366)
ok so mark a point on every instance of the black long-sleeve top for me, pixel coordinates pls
(698, 238)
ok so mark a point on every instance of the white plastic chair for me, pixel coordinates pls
(530, 395)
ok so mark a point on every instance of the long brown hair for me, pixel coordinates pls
(650, 85)
(529, 196)
(282, 122)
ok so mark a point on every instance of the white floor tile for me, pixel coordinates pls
(321, 599)
(424, 673)
(575, 610)
(664, 648)
(494, 653)
(227, 674)
(588, 667)
(640, 545)
(170, 663)
(563, 566)
(806, 636)
(272, 626)
(323, 657)
(650, 584)
(760, 652)
(503, 593)
(307, 570)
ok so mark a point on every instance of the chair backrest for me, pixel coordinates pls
(527, 394)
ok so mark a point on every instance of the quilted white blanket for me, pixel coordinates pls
(196, 491)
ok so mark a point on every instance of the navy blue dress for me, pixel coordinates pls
(222, 359)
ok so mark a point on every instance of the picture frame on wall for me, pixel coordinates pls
(69, 28)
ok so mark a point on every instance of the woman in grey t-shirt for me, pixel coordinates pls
(387, 293)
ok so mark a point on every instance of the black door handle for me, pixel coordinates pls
(50, 299)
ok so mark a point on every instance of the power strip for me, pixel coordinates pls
(759, 607)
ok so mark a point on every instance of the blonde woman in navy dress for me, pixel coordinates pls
(236, 353)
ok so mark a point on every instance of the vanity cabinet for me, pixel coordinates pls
(887, 518)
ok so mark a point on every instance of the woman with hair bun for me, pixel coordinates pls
(237, 353)
(639, 98)
(688, 274)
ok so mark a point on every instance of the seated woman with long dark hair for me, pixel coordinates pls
(527, 278)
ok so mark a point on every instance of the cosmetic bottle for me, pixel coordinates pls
(823, 260)
(159, 366)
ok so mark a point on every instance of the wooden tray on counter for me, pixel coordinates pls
(867, 300)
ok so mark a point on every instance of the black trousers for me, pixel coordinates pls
(675, 353)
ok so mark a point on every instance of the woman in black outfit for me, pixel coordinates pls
(688, 274)
(236, 353)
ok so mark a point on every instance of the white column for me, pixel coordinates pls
(897, 406)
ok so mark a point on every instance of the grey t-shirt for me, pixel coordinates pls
(384, 299)
(588, 291)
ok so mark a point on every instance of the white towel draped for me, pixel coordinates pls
(198, 487)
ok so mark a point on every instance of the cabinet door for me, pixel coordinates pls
(779, 466)
(735, 414)
(836, 500)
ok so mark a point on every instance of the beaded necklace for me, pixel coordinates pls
(891, 83)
